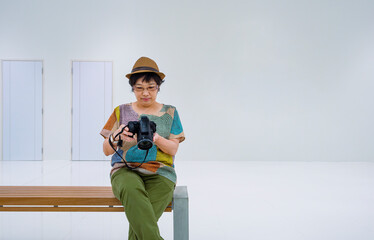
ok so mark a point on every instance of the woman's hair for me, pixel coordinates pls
(148, 76)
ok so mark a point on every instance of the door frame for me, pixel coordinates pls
(71, 99)
(1, 97)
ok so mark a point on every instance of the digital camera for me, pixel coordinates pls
(144, 128)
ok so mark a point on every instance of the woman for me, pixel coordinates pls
(145, 189)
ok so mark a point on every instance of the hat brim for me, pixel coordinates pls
(162, 76)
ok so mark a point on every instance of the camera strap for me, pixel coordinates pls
(120, 144)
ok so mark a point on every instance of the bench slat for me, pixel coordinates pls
(60, 196)
(58, 201)
(57, 191)
(66, 209)
(62, 209)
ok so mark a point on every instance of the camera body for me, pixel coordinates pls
(144, 128)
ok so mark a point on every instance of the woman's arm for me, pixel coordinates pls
(167, 146)
(107, 149)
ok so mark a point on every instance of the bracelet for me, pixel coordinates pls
(112, 140)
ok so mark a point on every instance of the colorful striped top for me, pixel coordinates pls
(157, 162)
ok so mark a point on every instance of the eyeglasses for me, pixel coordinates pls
(149, 89)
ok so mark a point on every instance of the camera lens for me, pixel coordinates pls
(145, 144)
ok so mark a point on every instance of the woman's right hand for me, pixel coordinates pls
(125, 135)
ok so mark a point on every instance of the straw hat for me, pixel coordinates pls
(145, 64)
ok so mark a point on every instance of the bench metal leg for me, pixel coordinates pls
(180, 209)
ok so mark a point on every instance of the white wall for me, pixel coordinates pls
(253, 80)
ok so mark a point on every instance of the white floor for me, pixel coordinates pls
(232, 200)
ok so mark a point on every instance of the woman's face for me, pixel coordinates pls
(145, 93)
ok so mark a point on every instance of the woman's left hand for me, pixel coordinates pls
(156, 137)
(167, 146)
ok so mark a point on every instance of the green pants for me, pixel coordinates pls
(144, 198)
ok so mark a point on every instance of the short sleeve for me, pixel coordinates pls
(176, 131)
(111, 125)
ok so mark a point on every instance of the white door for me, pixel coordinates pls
(92, 105)
(22, 110)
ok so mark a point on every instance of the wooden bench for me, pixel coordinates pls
(84, 199)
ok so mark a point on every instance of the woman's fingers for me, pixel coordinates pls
(118, 131)
(121, 128)
(126, 132)
(127, 138)
(155, 137)
(123, 131)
